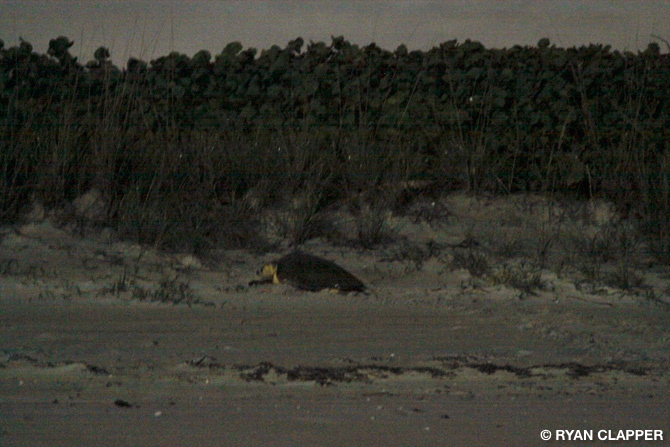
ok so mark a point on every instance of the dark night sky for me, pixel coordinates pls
(152, 28)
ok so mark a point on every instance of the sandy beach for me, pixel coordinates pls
(107, 343)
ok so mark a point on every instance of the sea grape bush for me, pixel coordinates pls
(461, 115)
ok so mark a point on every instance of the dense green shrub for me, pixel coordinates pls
(339, 117)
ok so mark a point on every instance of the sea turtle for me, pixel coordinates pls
(308, 272)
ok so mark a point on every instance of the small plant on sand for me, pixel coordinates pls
(652, 296)
(626, 278)
(523, 276)
(594, 252)
(473, 260)
(8, 267)
(168, 291)
(546, 240)
(122, 284)
(373, 227)
(304, 218)
(591, 270)
(414, 255)
(508, 246)
(614, 244)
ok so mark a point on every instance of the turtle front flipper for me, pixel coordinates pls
(258, 282)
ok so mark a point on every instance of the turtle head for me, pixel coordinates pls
(268, 272)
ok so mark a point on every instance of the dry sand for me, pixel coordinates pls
(90, 354)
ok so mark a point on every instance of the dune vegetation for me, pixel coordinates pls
(187, 151)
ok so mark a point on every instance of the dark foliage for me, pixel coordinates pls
(338, 117)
